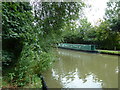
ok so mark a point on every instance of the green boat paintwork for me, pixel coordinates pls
(77, 46)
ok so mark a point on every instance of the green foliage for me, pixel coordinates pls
(113, 16)
(104, 36)
(15, 19)
(52, 16)
(110, 37)
(30, 39)
(14, 25)
(7, 57)
(82, 35)
(17, 22)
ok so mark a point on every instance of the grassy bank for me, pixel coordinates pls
(109, 51)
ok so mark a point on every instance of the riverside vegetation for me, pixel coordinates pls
(31, 31)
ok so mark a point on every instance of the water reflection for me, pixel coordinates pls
(83, 70)
(72, 79)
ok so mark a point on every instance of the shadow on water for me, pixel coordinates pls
(82, 70)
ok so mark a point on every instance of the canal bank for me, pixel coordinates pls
(82, 70)
(87, 48)
(108, 52)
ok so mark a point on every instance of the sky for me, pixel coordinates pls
(96, 11)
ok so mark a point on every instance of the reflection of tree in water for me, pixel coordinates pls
(71, 77)
(103, 66)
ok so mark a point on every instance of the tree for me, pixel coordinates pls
(52, 17)
(15, 24)
(30, 37)
(112, 15)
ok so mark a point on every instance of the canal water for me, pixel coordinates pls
(74, 69)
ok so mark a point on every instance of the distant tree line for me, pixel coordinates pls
(104, 36)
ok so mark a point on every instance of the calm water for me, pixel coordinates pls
(75, 69)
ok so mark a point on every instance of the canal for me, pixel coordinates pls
(75, 69)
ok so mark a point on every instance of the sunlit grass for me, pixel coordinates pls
(109, 51)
